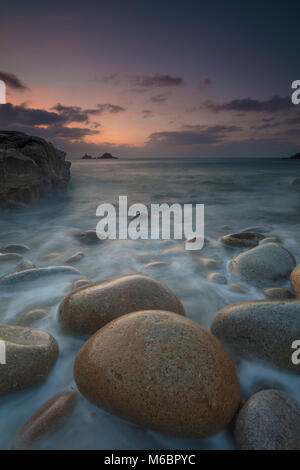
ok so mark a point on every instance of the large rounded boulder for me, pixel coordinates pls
(262, 330)
(270, 420)
(30, 355)
(161, 371)
(269, 262)
(87, 310)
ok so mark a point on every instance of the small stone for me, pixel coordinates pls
(295, 279)
(25, 264)
(88, 237)
(81, 283)
(21, 279)
(277, 293)
(32, 316)
(270, 240)
(9, 257)
(20, 249)
(238, 288)
(218, 278)
(75, 258)
(48, 419)
(242, 239)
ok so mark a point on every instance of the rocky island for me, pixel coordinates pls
(106, 156)
(296, 156)
(29, 167)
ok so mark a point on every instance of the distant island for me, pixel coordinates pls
(293, 157)
(105, 156)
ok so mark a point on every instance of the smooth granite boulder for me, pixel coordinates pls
(269, 262)
(270, 420)
(87, 310)
(261, 330)
(30, 356)
(161, 371)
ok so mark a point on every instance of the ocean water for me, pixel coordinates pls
(238, 193)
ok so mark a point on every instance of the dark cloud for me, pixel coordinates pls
(147, 113)
(159, 98)
(11, 115)
(245, 105)
(74, 113)
(109, 108)
(12, 81)
(193, 135)
(146, 82)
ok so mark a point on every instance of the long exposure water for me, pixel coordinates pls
(238, 193)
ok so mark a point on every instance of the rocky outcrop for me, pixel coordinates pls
(29, 167)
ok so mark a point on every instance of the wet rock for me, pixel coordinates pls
(270, 240)
(21, 279)
(218, 278)
(238, 288)
(88, 310)
(29, 167)
(155, 266)
(30, 356)
(25, 264)
(242, 239)
(88, 237)
(207, 263)
(81, 283)
(9, 257)
(270, 420)
(75, 258)
(13, 248)
(49, 256)
(277, 293)
(269, 262)
(161, 371)
(262, 330)
(28, 318)
(295, 279)
(48, 419)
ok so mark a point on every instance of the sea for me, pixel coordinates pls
(238, 194)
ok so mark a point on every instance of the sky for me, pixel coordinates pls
(153, 79)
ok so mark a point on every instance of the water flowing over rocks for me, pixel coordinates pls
(29, 167)
(261, 330)
(89, 309)
(161, 371)
(270, 420)
(30, 356)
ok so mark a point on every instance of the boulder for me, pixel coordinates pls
(269, 262)
(161, 371)
(30, 356)
(29, 167)
(262, 330)
(47, 420)
(89, 309)
(270, 420)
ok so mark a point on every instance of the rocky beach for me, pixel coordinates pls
(141, 344)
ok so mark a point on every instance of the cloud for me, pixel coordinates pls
(159, 98)
(246, 105)
(145, 82)
(147, 113)
(193, 135)
(73, 113)
(109, 78)
(109, 108)
(12, 81)
(11, 115)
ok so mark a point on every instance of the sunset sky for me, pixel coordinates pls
(156, 79)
